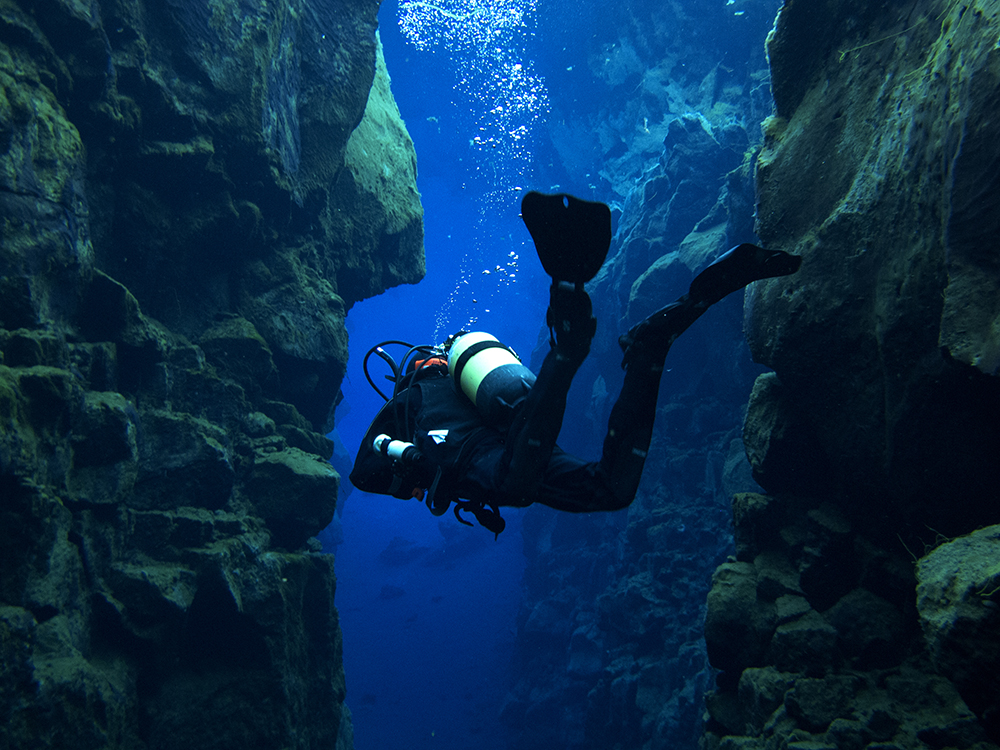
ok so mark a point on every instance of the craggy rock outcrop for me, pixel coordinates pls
(896, 223)
(814, 626)
(190, 200)
(877, 435)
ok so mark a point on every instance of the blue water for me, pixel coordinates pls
(429, 629)
(427, 606)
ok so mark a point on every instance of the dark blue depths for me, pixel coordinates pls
(569, 631)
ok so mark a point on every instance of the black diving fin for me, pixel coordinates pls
(571, 236)
(738, 267)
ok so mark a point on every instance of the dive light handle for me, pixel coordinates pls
(397, 450)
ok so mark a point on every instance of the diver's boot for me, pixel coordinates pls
(735, 269)
(571, 321)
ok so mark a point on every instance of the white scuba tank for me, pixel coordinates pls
(489, 374)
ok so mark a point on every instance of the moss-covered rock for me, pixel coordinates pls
(879, 140)
(784, 455)
(295, 493)
(240, 352)
(738, 627)
(958, 597)
(178, 212)
(381, 216)
(841, 661)
(105, 453)
(877, 434)
(761, 691)
(183, 460)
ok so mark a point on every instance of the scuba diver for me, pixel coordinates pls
(468, 424)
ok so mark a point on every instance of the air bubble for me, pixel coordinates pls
(485, 41)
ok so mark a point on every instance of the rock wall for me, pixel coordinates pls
(191, 197)
(855, 613)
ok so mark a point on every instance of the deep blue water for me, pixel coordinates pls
(428, 606)
(429, 629)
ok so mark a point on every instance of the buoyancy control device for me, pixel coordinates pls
(489, 373)
(492, 379)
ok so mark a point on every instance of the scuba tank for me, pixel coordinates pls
(489, 374)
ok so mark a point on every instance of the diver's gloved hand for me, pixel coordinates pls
(571, 320)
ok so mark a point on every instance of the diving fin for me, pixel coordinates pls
(571, 236)
(738, 267)
(731, 272)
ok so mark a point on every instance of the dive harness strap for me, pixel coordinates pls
(471, 352)
(487, 514)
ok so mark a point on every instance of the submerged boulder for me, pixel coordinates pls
(958, 598)
(737, 626)
(294, 492)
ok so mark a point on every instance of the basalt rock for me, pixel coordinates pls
(958, 590)
(182, 199)
(815, 629)
(879, 339)
(877, 433)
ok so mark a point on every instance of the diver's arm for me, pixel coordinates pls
(538, 419)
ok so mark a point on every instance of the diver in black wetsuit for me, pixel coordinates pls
(468, 424)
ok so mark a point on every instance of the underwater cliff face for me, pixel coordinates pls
(855, 613)
(191, 195)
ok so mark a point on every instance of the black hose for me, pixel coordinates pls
(377, 349)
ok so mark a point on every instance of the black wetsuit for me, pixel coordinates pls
(483, 463)
(467, 461)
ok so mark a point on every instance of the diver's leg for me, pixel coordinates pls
(574, 485)
(630, 426)
(538, 419)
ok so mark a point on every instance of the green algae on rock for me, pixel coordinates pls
(878, 433)
(958, 589)
(175, 199)
(868, 171)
